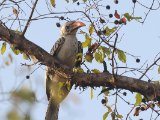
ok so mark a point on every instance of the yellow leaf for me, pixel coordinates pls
(91, 29)
(109, 31)
(99, 56)
(13, 115)
(105, 115)
(25, 56)
(119, 116)
(96, 71)
(68, 83)
(138, 99)
(15, 51)
(24, 94)
(53, 3)
(109, 108)
(78, 70)
(91, 93)
(87, 41)
(129, 17)
(3, 48)
(159, 69)
(105, 91)
(121, 56)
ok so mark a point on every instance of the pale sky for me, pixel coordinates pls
(139, 40)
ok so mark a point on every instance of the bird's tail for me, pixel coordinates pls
(52, 110)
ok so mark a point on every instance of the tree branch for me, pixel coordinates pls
(149, 90)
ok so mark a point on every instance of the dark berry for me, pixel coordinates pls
(103, 101)
(120, 22)
(152, 105)
(78, 3)
(110, 15)
(116, 1)
(99, 33)
(142, 109)
(90, 49)
(61, 18)
(134, 1)
(108, 7)
(124, 93)
(116, 22)
(27, 77)
(137, 60)
(58, 24)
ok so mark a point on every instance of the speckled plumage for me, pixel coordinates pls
(65, 50)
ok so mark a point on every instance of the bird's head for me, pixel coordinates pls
(71, 27)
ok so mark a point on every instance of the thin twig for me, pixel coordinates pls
(30, 17)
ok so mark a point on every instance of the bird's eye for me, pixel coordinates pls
(67, 28)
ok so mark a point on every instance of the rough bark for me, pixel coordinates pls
(79, 79)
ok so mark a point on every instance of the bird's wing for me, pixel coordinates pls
(55, 49)
(57, 46)
(48, 82)
(80, 49)
(80, 55)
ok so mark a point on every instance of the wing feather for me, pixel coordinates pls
(57, 46)
(80, 55)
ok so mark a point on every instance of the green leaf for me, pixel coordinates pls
(91, 93)
(105, 115)
(68, 83)
(121, 56)
(105, 91)
(24, 94)
(15, 51)
(25, 56)
(3, 48)
(129, 17)
(105, 50)
(61, 84)
(109, 108)
(53, 3)
(99, 56)
(84, 0)
(91, 29)
(113, 115)
(158, 69)
(138, 99)
(95, 71)
(109, 31)
(87, 42)
(78, 70)
(13, 115)
(119, 116)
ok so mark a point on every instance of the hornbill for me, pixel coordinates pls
(65, 50)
